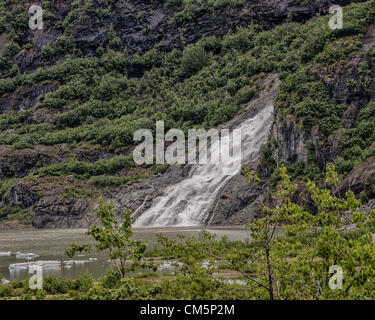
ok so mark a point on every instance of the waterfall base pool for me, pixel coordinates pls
(47, 248)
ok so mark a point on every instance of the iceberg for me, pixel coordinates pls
(79, 262)
(45, 265)
(27, 256)
(71, 262)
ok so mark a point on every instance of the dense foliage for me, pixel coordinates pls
(99, 104)
(114, 238)
(203, 85)
(290, 256)
(99, 101)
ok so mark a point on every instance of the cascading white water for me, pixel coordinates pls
(187, 203)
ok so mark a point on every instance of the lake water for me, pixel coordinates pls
(50, 245)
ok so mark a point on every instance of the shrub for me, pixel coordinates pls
(62, 45)
(194, 58)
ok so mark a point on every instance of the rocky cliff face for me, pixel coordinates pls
(138, 26)
(141, 25)
(349, 82)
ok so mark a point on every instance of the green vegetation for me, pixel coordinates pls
(202, 86)
(115, 238)
(63, 44)
(99, 102)
(6, 56)
(6, 184)
(188, 10)
(105, 180)
(289, 257)
(15, 213)
(358, 143)
(14, 20)
(85, 169)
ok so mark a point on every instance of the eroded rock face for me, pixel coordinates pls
(347, 85)
(360, 179)
(21, 195)
(350, 85)
(290, 141)
(139, 196)
(52, 211)
(236, 195)
(141, 25)
(49, 207)
(24, 98)
(19, 163)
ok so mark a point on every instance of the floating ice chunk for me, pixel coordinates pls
(93, 259)
(71, 262)
(43, 264)
(81, 261)
(5, 253)
(51, 265)
(19, 266)
(27, 256)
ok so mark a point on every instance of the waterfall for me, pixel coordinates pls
(187, 203)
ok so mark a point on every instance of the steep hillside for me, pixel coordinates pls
(72, 94)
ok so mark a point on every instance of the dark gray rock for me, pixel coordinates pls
(24, 97)
(21, 195)
(290, 141)
(19, 163)
(52, 211)
(236, 195)
(143, 24)
(139, 196)
(360, 179)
